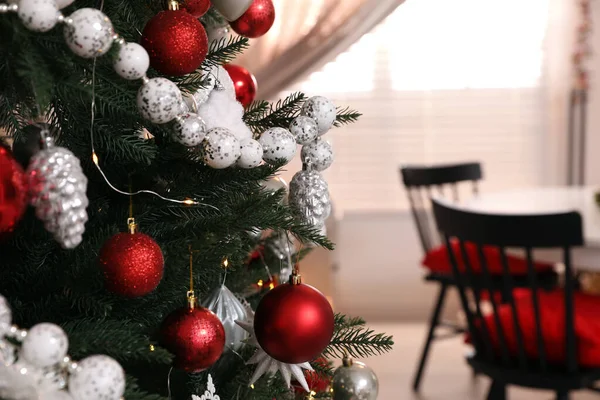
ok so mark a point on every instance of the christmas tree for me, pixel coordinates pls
(150, 201)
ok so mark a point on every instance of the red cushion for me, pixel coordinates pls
(552, 317)
(437, 260)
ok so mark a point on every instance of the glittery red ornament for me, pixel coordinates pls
(197, 7)
(257, 20)
(176, 42)
(244, 83)
(13, 191)
(195, 336)
(294, 323)
(132, 263)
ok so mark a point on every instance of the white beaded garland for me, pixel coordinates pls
(159, 100)
(251, 154)
(304, 129)
(132, 62)
(318, 154)
(45, 345)
(221, 148)
(64, 3)
(5, 316)
(38, 15)
(97, 378)
(322, 110)
(89, 33)
(189, 129)
(278, 144)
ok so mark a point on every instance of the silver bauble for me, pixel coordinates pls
(309, 196)
(354, 381)
(229, 309)
(57, 189)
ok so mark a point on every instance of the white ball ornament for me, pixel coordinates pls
(278, 144)
(89, 33)
(221, 148)
(322, 110)
(159, 100)
(5, 316)
(61, 395)
(318, 154)
(38, 15)
(45, 345)
(97, 378)
(132, 62)
(189, 130)
(304, 129)
(251, 154)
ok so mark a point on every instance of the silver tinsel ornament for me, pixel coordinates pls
(57, 188)
(229, 309)
(283, 248)
(354, 381)
(309, 196)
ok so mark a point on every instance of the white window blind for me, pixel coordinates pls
(438, 81)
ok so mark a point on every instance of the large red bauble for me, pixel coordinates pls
(13, 191)
(257, 20)
(197, 7)
(244, 83)
(195, 336)
(132, 263)
(176, 42)
(294, 323)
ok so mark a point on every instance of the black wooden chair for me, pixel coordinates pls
(421, 184)
(537, 338)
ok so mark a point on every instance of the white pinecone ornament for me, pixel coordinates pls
(309, 196)
(57, 189)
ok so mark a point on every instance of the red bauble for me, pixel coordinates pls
(13, 191)
(197, 7)
(176, 42)
(195, 336)
(294, 323)
(317, 382)
(257, 20)
(244, 83)
(132, 263)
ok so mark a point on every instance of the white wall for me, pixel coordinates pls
(377, 272)
(592, 170)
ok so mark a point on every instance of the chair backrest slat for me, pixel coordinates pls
(419, 182)
(500, 232)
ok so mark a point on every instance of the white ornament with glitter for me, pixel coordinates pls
(97, 378)
(210, 393)
(45, 345)
(304, 129)
(132, 62)
(189, 130)
(322, 110)
(89, 33)
(221, 148)
(278, 145)
(317, 154)
(159, 100)
(251, 154)
(38, 15)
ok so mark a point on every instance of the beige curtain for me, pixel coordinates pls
(306, 35)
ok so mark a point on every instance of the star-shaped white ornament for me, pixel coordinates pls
(210, 393)
(265, 364)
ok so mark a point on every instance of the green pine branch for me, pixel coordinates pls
(346, 116)
(281, 114)
(353, 338)
(225, 50)
(345, 322)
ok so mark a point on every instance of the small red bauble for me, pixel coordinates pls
(257, 20)
(197, 8)
(244, 83)
(294, 323)
(176, 42)
(317, 382)
(13, 191)
(132, 263)
(195, 336)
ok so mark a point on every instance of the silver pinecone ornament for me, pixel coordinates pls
(57, 189)
(309, 196)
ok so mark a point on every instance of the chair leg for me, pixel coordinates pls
(562, 395)
(497, 391)
(433, 323)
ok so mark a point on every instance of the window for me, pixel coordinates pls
(438, 81)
